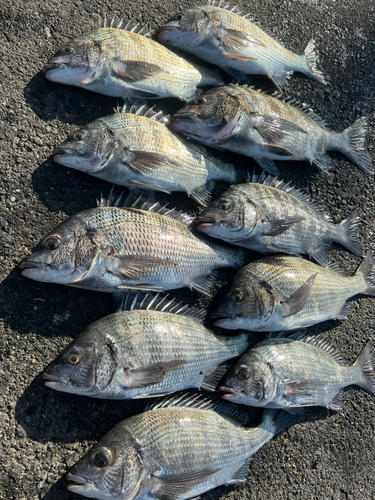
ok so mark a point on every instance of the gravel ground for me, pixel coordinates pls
(326, 455)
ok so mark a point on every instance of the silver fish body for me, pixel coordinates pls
(120, 63)
(135, 150)
(172, 452)
(268, 216)
(143, 353)
(236, 44)
(287, 293)
(251, 123)
(109, 249)
(289, 374)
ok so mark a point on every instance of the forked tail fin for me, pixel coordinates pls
(365, 362)
(312, 61)
(354, 141)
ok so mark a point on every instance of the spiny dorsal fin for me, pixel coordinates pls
(132, 25)
(140, 202)
(269, 180)
(323, 344)
(197, 401)
(141, 108)
(161, 303)
(301, 106)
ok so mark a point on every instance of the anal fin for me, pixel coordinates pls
(336, 403)
(240, 475)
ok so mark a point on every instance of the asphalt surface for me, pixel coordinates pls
(326, 455)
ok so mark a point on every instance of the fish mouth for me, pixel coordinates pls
(230, 392)
(48, 66)
(79, 483)
(205, 222)
(32, 264)
(62, 151)
(52, 381)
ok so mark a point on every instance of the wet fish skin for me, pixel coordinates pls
(143, 353)
(281, 293)
(251, 123)
(137, 151)
(236, 44)
(172, 452)
(287, 373)
(110, 249)
(120, 63)
(268, 216)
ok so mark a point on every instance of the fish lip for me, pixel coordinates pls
(165, 29)
(219, 315)
(229, 390)
(203, 222)
(48, 66)
(63, 151)
(54, 378)
(186, 114)
(32, 264)
(79, 483)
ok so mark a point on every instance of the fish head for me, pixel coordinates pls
(111, 469)
(249, 382)
(63, 256)
(87, 149)
(210, 118)
(231, 217)
(86, 366)
(248, 304)
(186, 29)
(75, 62)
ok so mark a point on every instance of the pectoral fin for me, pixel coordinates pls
(274, 129)
(134, 71)
(237, 57)
(133, 266)
(236, 40)
(150, 375)
(144, 162)
(297, 301)
(276, 227)
(178, 485)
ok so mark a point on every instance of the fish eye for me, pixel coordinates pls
(237, 296)
(101, 458)
(78, 136)
(179, 17)
(52, 243)
(67, 50)
(200, 100)
(224, 205)
(243, 374)
(73, 358)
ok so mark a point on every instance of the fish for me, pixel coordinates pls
(178, 449)
(236, 44)
(118, 62)
(281, 293)
(113, 248)
(252, 123)
(293, 373)
(133, 148)
(151, 347)
(269, 216)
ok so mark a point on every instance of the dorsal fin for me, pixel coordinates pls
(132, 25)
(194, 400)
(268, 180)
(141, 108)
(323, 344)
(301, 106)
(221, 4)
(161, 303)
(140, 202)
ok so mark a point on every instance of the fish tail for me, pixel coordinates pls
(353, 147)
(367, 271)
(311, 57)
(365, 363)
(349, 234)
